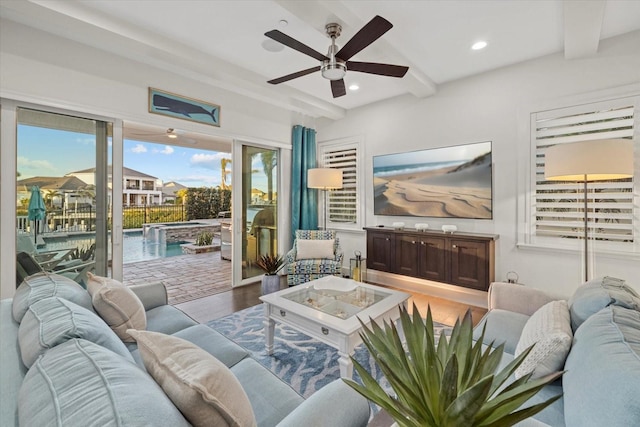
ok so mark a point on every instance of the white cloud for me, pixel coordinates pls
(208, 161)
(38, 166)
(166, 150)
(86, 141)
(197, 180)
(139, 148)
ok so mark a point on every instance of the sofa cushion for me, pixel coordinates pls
(201, 386)
(44, 285)
(315, 249)
(549, 331)
(118, 306)
(78, 381)
(602, 379)
(269, 408)
(597, 294)
(503, 327)
(52, 321)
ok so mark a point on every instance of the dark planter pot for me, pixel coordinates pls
(270, 284)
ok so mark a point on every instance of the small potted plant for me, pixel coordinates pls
(204, 239)
(447, 381)
(271, 264)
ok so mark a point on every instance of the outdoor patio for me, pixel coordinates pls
(186, 277)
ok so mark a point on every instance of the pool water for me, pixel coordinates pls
(134, 247)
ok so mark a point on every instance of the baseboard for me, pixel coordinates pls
(436, 289)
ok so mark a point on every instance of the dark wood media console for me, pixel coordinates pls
(462, 259)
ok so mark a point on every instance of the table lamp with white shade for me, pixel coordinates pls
(587, 161)
(324, 179)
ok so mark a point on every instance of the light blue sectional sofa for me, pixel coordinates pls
(86, 376)
(601, 383)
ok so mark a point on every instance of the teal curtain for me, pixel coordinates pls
(304, 201)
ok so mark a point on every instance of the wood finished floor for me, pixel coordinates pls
(219, 305)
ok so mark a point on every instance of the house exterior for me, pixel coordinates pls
(495, 106)
(138, 188)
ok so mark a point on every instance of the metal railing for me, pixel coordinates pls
(83, 218)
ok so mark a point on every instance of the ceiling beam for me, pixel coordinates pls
(582, 27)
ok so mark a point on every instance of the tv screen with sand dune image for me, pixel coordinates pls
(447, 182)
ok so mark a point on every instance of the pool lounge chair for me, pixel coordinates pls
(26, 265)
(47, 259)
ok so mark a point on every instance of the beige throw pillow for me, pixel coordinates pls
(549, 328)
(202, 388)
(118, 306)
(314, 249)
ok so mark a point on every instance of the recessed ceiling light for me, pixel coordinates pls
(283, 23)
(479, 45)
(354, 87)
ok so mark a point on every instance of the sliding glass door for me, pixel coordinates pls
(255, 221)
(63, 200)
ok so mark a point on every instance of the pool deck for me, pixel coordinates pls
(186, 277)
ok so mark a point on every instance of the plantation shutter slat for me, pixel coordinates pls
(558, 207)
(343, 203)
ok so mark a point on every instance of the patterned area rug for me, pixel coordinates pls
(303, 362)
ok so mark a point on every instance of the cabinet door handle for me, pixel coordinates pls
(454, 247)
(387, 239)
(422, 243)
(413, 242)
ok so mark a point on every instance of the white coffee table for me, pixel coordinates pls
(328, 309)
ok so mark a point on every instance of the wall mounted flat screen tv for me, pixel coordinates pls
(448, 182)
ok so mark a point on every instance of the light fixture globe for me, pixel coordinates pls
(333, 70)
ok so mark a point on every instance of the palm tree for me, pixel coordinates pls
(181, 195)
(269, 162)
(224, 162)
(87, 192)
(49, 195)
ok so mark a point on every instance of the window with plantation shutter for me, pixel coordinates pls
(557, 208)
(344, 205)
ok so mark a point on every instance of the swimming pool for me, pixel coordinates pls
(134, 246)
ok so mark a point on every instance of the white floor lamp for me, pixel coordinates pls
(588, 161)
(324, 179)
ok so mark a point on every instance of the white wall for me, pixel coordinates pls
(50, 71)
(495, 106)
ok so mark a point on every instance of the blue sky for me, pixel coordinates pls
(47, 152)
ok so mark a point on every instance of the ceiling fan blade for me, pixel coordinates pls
(294, 75)
(363, 38)
(337, 88)
(375, 68)
(294, 44)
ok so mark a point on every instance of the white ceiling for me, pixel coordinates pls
(220, 42)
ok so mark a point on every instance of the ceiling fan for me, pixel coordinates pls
(169, 133)
(335, 63)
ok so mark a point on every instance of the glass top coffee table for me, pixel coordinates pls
(328, 309)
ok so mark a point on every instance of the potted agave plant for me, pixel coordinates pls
(444, 382)
(271, 264)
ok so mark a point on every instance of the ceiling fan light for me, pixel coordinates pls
(334, 71)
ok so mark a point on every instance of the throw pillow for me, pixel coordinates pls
(549, 331)
(599, 293)
(201, 387)
(118, 306)
(53, 321)
(315, 249)
(45, 285)
(79, 383)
